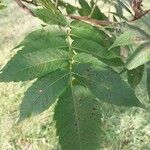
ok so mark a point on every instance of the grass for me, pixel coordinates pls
(125, 128)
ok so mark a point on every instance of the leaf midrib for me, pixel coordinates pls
(76, 113)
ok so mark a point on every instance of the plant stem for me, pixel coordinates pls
(90, 20)
(56, 3)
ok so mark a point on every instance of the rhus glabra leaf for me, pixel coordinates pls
(74, 69)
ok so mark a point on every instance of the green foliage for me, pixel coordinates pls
(43, 93)
(101, 81)
(135, 76)
(49, 5)
(81, 30)
(33, 64)
(139, 57)
(78, 119)
(39, 40)
(50, 17)
(91, 47)
(85, 9)
(97, 14)
(72, 64)
(124, 39)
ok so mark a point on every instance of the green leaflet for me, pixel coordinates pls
(135, 76)
(139, 57)
(120, 6)
(78, 120)
(140, 34)
(85, 8)
(124, 39)
(143, 23)
(43, 93)
(70, 9)
(125, 5)
(105, 84)
(80, 30)
(119, 9)
(41, 53)
(93, 48)
(116, 62)
(97, 14)
(87, 58)
(43, 43)
(118, 15)
(42, 39)
(50, 17)
(49, 5)
(33, 64)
